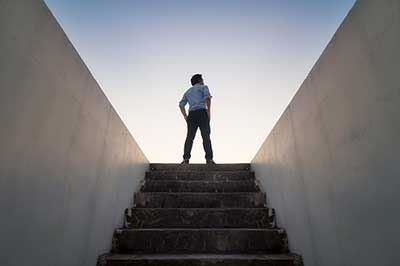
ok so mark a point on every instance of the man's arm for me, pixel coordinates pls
(183, 111)
(207, 100)
(182, 105)
(208, 105)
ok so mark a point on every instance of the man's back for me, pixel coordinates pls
(195, 96)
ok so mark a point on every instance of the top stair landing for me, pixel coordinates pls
(199, 167)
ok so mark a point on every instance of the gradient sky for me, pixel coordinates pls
(253, 55)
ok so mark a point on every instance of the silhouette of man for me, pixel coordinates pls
(199, 98)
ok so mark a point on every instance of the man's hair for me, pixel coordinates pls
(196, 79)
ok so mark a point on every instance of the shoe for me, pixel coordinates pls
(210, 162)
(185, 162)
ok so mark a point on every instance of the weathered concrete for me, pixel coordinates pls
(203, 259)
(199, 186)
(68, 165)
(330, 166)
(199, 200)
(201, 228)
(200, 240)
(199, 218)
(200, 175)
(199, 167)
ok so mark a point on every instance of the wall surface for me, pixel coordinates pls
(68, 165)
(331, 164)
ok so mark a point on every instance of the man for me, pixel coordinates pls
(199, 99)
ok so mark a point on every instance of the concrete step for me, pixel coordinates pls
(199, 167)
(148, 241)
(199, 186)
(201, 260)
(200, 200)
(199, 218)
(200, 175)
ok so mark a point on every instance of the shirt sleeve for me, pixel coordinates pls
(206, 93)
(184, 101)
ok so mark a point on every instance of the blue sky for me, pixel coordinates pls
(253, 56)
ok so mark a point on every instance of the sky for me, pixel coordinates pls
(253, 54)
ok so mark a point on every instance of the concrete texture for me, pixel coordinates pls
(200, 175)
(199, 218)
(68, 165)
(199, 200)
(200, 240)
(199, 186)
(193, 167)
(204, 260)
(201, 228)
(330, 166)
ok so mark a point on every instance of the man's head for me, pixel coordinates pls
(197, 78)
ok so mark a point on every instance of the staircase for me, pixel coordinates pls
(199, 215)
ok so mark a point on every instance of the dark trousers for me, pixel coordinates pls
(198, 119)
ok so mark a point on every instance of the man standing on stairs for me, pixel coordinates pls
(199, 99)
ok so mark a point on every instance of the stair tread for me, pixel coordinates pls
(217, 209)
(200, 199)
(210, 172)
(199, 164)
(210, 186)
(200, 181)
(200, 175)
(199, 167)
(200, 193)
(205, 256)
(200, 240)
(200, 218)
(202, 229)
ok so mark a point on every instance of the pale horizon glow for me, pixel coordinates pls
(253, 55)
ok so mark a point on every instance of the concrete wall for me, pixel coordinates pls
(331, 165)
(68, 165)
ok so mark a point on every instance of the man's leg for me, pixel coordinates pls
(191, 133)
(205, 134)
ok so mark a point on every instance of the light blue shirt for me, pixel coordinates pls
(196, 97)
